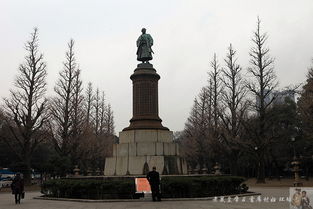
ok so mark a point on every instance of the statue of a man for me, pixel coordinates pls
(144, 43)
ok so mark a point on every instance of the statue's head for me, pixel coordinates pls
(143, 30)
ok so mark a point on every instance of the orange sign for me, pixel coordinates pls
(142, 185)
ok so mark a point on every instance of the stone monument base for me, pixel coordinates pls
(140, 150)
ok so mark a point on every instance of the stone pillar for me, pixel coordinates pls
(145, 142)
(145, 99)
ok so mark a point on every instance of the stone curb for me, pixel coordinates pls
(143, 200)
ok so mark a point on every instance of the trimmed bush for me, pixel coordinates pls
(200, 186)
(124, 188)
(111, 188)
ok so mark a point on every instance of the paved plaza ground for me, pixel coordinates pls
(7, 202)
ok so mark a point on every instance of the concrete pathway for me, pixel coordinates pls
(7, 202)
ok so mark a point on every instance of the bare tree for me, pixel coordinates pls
(78, 117)
(305, 106)
(214, 78)
(99, 130)
(64, 106)
(102, 114)
(235, 105)
(109, 120)
(78, 101)
(89, 101)
(26, 107)
(262, 85)
(196, 133)
(97, 112)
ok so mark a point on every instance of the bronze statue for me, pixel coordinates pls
(144, 43)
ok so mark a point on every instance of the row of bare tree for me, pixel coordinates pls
(78, 123)
(233, 120)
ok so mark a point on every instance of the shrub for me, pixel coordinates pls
(124, 187)
(200, 186)
(110, 188)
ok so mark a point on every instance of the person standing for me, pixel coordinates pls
(154, 181)
(17, 187)
(305, 201)
(296, 199)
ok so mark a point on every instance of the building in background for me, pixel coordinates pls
(280, 97)
(277, 97)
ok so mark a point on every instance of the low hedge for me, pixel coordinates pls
(90, 188)
(201, 186)
(124, 188)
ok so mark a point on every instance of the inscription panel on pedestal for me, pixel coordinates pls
(145, 98)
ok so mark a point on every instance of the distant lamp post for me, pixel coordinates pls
(89, 172)
(259, 163)
(204, 170)
(217, 169)
(296, 169)
(189, 170)
(76, 170)
(98, 172)
(296, 165)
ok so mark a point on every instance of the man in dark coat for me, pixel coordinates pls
(154, 181)
(17, 187)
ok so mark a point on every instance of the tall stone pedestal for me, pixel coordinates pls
(145, 142)
(145, 99)
(140, 150)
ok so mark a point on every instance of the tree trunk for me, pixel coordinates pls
(233, 164)
(261, 171)
(234, 168)
(27, 171)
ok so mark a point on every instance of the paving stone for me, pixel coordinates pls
(7, 202)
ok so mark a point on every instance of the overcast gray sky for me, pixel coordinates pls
(186, 35)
